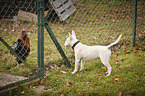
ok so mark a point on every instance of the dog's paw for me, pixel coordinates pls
(80, 69)
(107, 75)
(73, 72)
(106, 72)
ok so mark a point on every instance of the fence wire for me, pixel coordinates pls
(140, 30)
(99, 22)
(96, 22)
(13, 30)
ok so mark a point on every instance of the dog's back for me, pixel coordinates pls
(86, 53)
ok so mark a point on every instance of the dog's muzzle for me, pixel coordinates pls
(66, 45)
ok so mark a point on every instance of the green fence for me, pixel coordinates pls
(47, 24)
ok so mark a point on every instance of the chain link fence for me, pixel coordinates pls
(12, 22)
(99, 22)
(96, 22)
(140, 27)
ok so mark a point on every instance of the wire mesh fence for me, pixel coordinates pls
(21, 34)
(96, 22)
(140, 30)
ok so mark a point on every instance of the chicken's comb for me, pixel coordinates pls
(23, 29)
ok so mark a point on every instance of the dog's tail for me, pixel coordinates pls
(115, 42)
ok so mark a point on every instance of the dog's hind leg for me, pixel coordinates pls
(109, 69)
(82, 65)
(105, 61)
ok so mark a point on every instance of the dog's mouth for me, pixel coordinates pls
(66, 45)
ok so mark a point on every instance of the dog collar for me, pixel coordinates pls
(75, 44)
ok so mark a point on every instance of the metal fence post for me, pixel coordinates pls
(134, 22)
(56, 43)
(40, 13)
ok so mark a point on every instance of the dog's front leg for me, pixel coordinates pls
(76, 66)
(82, 65)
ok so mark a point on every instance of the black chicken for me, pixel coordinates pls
(22, 46)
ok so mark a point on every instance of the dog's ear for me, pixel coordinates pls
(70, 35)
(73, 33)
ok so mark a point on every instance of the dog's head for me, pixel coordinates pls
(70, 40)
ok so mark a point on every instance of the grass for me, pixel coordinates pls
(127, 78)
(91, 21)
(128, 67)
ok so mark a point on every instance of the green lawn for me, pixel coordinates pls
(127, 78)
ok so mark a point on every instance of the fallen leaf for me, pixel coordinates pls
(41, 82)
(113, 20)
(46, 88)
(56, 66)
(117, 59)
(95, 38)
(116, 79)
(103, 67)
(127, 51)
(117, 63)
(97, 74)
(63, 72)
(100, 78)
(62, 95)
(120, 93)
(36, 39)
(34, 87)
(52, 67)
(68, 84)
(5, 30)
(50, 87)
(128, 65)
(84, 71)
(90, 23)
(22, 92)
(143, 73)
(46, 68)
(112, 37)
(134, 50)
(50, 52)
(77, 75)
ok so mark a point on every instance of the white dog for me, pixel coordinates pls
(85, 53)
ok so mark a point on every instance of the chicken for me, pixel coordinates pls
(22, 46)
(1, 53)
